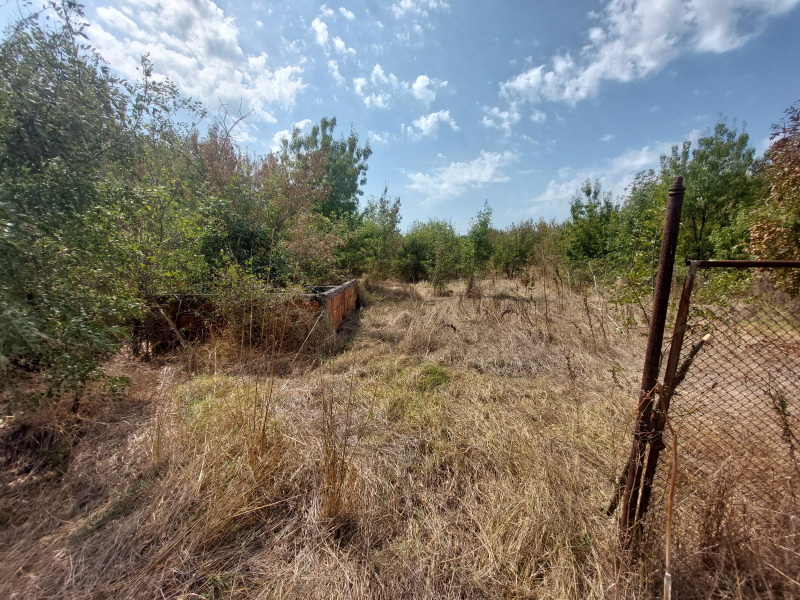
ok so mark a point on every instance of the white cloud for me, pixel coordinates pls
(324, 40)
(326, 12)
(195, 45)
(428, 125)
(320, 32)
(501, 119)
(424, 88)
(417, 7)
(341, 47)
(614, 176)
(377, 100)
(607, 137)
(333, 68)
(286, 134)
(346, 13)
(639, 37)
(378, 137)
(359, 83)
(385, 83)
(378, 74)
(538, 116)
(459, 177)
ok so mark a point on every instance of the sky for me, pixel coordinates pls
(512, 102)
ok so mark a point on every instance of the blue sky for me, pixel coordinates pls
(513, 102)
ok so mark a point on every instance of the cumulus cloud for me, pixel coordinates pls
(428, 125)
(635, 38)
(341, 47)
(333, 69)
(320, 32)
(376, 137)
(381, 87)
(286, 134)
(457, 178)
(379, 77)
(359, 83)
(195, 45)
(500, 119)
(346, 13)
(614, 175)
(538, 116)
(417, 7)
(324, 39)
(424, 88)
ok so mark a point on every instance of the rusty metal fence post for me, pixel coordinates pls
(647, 393)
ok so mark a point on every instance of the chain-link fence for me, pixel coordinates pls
(734, 413)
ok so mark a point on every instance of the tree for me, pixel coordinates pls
(720, 193)
(344, 162)
(62, 123)
(430, 251)
(99, 208)
(478, 247)
(776, 232)
(375, 244)
(516, 247)
(590, 232)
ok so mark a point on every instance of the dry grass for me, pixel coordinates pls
(453, 447)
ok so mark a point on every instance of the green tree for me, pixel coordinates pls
(515, 247)
(478, 245)
(431, 251)
(344, 162)
(720, 193)
(591, 231)
(62, 124)
(374, 245)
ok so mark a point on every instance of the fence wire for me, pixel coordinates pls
(736, 511)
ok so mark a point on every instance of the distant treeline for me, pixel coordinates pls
(112, 196)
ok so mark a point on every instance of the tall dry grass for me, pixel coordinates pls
(447, 447)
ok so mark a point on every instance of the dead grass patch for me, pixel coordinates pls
(456, 448)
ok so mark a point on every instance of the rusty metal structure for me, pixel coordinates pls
(642, 433)
(727, 415)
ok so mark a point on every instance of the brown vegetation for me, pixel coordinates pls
(451, 447)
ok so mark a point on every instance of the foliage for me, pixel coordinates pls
(62, 122)
(720, 187)
(591, 230)
(514, 247)
(776, 232)
(477, 245)
(431, 251)
(344, 161)
(373, 246)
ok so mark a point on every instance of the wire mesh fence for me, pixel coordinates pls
(734, 411)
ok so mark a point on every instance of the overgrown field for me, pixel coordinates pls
(440, 447)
